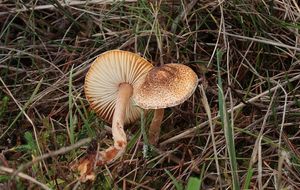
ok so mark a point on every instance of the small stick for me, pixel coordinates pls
(24, 176)
(72, 3)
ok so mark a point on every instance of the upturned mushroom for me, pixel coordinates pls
(108, 87)
(165, 86)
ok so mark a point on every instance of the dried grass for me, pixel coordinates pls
(40, 41)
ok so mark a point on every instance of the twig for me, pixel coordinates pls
(12, 68)
(72, 3)
(24, 176)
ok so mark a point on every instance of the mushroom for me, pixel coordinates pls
(108, 87)
(165, 86)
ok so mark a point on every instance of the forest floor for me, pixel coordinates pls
(239, 130)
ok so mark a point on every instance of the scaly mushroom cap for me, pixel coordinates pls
(165, 86)
(106, 73)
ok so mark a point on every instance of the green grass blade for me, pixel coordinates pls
(3, 106)
(70, 102)
(24, 107)
(202, 174)
(176, 183)
(228, 128)
(248, 178)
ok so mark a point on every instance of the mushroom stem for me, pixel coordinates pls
(154, 128)
(87, 164)
(124, 94)
(119, 136)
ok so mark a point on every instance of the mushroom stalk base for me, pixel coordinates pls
(154, 129)
(87, 164)
(120, 140)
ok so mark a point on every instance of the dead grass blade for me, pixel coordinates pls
(24, 176)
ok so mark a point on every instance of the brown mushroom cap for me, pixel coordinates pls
(106, 73)
(165, 86)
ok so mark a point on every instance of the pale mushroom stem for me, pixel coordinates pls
(87, 164)
(119, 136)
(154, 129)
